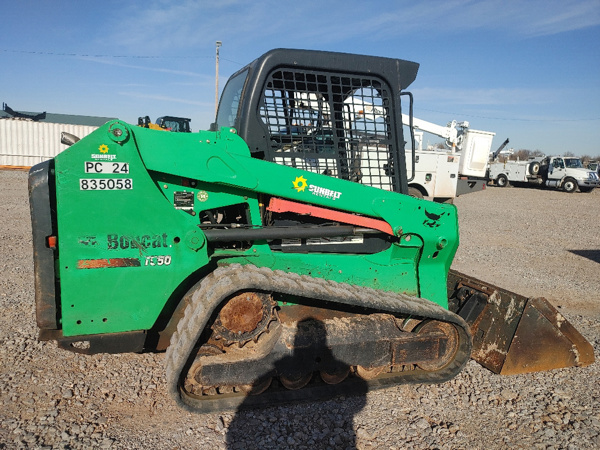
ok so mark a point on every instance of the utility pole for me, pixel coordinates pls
(218, 43)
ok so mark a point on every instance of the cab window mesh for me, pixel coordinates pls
(330, 124)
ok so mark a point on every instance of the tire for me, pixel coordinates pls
(586, 189)
(569, 185)
(502, 180)
(414, 192)
(534, 168)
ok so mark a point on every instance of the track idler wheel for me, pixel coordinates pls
(257, 388)
(294, 382)
(336, 376)
(369, 373)
(446, 354)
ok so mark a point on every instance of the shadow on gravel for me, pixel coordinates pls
(310, 423)
(593, 255)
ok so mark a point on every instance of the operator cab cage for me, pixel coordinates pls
(336, 114)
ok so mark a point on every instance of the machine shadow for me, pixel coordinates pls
(592, 255)
(310, 422)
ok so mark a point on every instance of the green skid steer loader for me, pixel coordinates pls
(276, 257)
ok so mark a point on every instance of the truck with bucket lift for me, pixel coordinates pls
(273, 261)
(440, 174)
(460, 168)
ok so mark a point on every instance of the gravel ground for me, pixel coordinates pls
(543, 243)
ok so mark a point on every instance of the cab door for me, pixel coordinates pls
(556, 170)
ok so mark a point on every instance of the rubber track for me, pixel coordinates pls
(225, 281)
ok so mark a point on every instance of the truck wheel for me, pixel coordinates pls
(414, 192)
(569, 185)
(534, 168)
(501, 181)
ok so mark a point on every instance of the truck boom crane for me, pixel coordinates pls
(453, 132)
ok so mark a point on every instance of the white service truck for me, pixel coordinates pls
(559, 172)
(438, 174)
(460, 168)
(594, 166)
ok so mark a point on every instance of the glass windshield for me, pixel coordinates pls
(176, 126)
(573, 163)
(230, 100)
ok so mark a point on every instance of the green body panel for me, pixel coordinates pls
(110, 240)
(389, 270)
(128, 227)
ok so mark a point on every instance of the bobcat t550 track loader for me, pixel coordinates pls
(276, 257)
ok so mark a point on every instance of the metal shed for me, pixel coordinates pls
(25, 142)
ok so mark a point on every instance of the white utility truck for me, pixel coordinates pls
(460, 168)
(438, 174)
(559, 172)
(594, 166)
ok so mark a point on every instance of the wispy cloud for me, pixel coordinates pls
(495, 96)
(113, 62)
(556, 17)
(164, 98)
(178, 27)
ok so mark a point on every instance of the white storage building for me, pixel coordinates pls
(25, 142)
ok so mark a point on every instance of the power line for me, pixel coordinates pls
(508, 119)
(85, 55)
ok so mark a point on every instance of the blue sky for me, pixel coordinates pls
(526, 70)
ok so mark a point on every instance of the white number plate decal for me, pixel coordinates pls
(106, 167)
(158, 260)
(105, 184)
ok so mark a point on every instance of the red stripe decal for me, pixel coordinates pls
(108, 263)
(280, 205)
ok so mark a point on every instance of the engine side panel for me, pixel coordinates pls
(124, 249)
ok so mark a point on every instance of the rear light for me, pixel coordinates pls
(51, 241)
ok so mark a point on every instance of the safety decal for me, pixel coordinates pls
(202, 196)
(88, 241)
(433, 220)
(183, 200)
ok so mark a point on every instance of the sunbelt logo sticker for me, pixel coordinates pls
(103, 155)
(301, 184)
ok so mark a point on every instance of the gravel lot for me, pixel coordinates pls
(535, 242)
